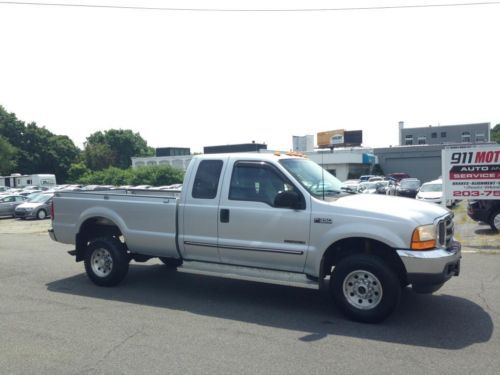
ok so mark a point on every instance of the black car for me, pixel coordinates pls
(487, 211)
(408, 187)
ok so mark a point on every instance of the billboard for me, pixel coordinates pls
(471, 172)
(340, 138)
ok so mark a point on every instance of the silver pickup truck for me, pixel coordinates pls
(267, 217)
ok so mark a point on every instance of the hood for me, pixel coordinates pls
(430, 194)
(30, 205)
(392, 207)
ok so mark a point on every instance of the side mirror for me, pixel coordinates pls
(288, 199)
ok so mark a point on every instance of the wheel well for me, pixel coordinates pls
(94, 228)
(361, 245)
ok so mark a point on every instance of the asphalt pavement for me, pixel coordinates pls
(55, 321)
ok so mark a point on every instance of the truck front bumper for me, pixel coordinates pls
(428, 270)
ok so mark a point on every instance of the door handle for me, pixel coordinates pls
(224, 215)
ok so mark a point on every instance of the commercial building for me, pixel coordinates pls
(172, 151)
(419, 152)
(346, 163)
(243, 147)
(435, 135)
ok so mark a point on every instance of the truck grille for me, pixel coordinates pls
(445, 231)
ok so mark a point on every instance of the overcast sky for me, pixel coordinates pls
(194, 79)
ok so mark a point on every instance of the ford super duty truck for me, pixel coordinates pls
(264, 217)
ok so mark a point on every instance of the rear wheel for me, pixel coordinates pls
(42, 214)
(495, 221)
(106, 261)
(364, 288)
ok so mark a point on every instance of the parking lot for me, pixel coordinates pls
(54, 320)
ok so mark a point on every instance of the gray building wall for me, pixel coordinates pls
(434, 135)
(420, 161)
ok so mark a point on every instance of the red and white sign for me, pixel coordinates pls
(471, 172)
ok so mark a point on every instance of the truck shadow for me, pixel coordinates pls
(434, 321)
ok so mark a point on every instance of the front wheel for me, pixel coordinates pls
(106, 261)
(42, 214)
(364, 288)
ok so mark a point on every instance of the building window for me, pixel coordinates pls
(466, 137)
(434, 135)
(422, 140)
(409, 140)
(443, 134)
(480, 137)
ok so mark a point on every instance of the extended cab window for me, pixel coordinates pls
(254, 181)
(207, 178)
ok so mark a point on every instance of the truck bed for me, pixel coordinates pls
(146, 219)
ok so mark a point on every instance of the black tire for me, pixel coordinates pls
(42, 214)
(171, 262)
(495, 218)
(368, 281)
(110, 261)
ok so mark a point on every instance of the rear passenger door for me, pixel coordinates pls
(252, 231)
(198, 217)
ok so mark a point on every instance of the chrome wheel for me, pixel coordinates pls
(496, 221)
(362, 289)
(101, 262)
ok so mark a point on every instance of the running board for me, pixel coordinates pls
(249, 274)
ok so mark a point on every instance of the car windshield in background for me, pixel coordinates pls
(410, 184)
(41, 198)
(431, 188)
(315, 179)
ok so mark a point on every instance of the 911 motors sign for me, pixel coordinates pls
(471, 172)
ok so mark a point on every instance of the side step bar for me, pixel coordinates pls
(249, 274)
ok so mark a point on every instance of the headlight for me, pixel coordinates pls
(29, 209)
(424, 237)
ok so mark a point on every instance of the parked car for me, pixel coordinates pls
(398, 176)
(487, 211)
(9, 203)
(38, 207)
(350, 186)
(407, 187)
(366, 177)
(433, 192)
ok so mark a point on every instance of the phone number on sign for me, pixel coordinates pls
(477, 193)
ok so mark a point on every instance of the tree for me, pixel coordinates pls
(114, 147)
(76, 171)
(495, 133)
(38, 149)
(7, 157)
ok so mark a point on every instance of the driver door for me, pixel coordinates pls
(252, 231)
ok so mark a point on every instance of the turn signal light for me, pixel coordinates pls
(424, 238)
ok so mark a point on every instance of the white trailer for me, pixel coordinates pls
(17, 180)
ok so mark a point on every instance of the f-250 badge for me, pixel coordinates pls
(322, 220)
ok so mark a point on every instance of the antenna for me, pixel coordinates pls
(323, 175)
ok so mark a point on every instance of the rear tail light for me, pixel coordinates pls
(52, 211)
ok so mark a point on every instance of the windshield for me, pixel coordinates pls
(431, 187)
(41, 198)
(410, 184)
(315, 179)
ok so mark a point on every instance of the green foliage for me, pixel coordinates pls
(495, 133)
(7, 157)
(76, 171)
(148, 175)
(115, 148)
(38, 149)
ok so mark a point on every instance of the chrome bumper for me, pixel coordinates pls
(432, 266)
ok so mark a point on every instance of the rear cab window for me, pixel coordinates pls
(206, 181)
